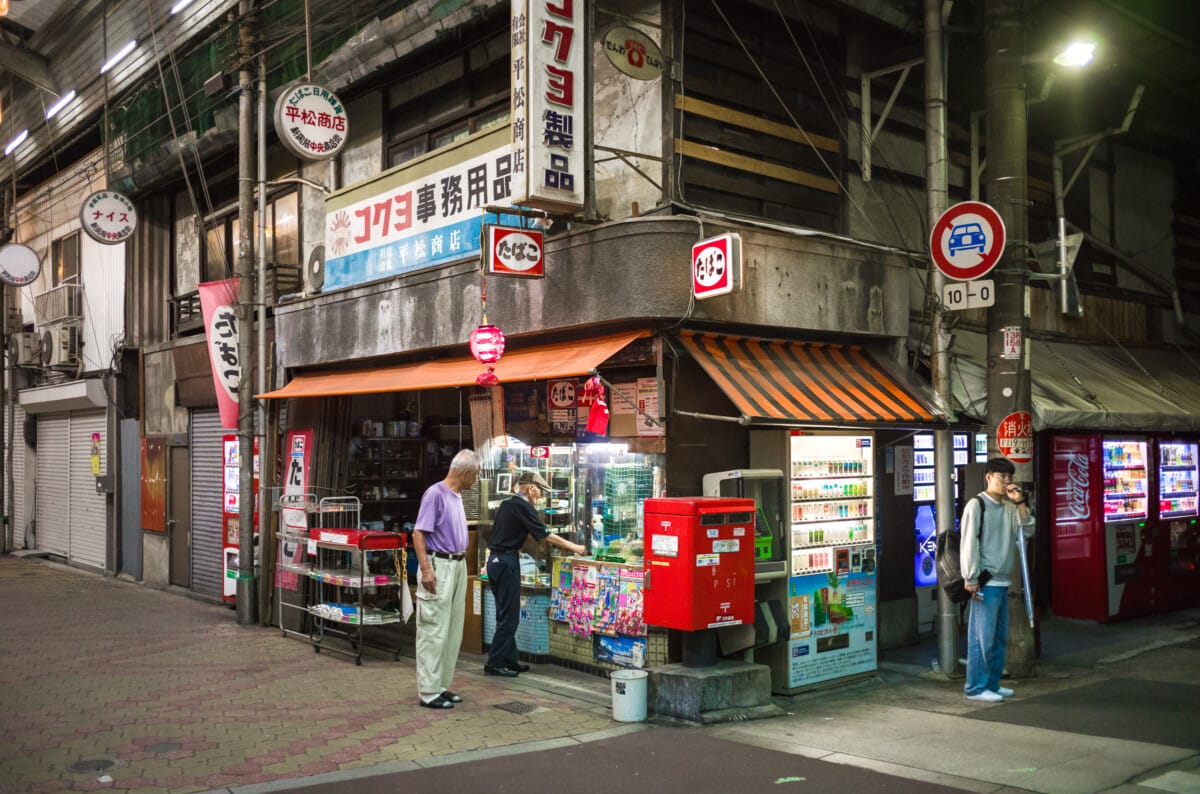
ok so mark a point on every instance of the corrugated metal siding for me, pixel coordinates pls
(149, 257)
(53, 508)
(207, 472)
(88, 521)
(102, 271)
(20, 511)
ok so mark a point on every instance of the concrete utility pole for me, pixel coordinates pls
(1008, 388)
(936, 189)
(247, 583)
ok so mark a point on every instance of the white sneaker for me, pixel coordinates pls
(1004, 691)
(987, 696)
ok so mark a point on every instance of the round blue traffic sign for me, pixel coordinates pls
(967, 240)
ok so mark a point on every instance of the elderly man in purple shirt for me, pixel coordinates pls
(440, 542)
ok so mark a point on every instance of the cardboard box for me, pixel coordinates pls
(472, 641)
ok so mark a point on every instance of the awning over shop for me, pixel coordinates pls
(808, 382)
(558, 360)
(1090, 387)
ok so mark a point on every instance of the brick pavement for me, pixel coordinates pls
(180, 698)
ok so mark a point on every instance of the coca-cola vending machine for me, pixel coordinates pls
(1102, 528)
(1178, 492)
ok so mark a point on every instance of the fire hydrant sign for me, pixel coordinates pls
(967, 241)
(717, 266)
(1014, 437)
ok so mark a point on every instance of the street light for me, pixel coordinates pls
(1076, 54)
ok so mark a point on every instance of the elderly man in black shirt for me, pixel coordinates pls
(516, 519)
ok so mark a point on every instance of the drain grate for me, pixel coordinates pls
(517, 707)
(164, 747)
(92, 765)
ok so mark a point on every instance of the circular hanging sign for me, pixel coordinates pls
(967, 240)
(108, 217)
(1014, 437)
(633, 53)
(311, 121)
(19, 264)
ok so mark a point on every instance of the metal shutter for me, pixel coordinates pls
(207, 473)
(89, 516)
(53, 508)
(20, 510)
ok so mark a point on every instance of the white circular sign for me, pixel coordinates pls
(108, 217)
(311, 121)
(19, 264)
(633, 53)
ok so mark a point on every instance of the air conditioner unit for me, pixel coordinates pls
(60, 346)
(26, 349)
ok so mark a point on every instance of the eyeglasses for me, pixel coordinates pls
(1002, 476)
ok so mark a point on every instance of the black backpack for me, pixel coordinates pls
(949, 567)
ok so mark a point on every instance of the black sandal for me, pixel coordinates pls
(452, 697)
(439, 702)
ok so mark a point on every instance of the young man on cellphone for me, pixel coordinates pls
(991, 527)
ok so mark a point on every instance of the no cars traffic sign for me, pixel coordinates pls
(967, 241)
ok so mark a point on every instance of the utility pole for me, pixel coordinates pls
(247, 582)
(1008, 387)
(936, 192)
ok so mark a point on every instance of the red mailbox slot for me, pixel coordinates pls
(699, 560)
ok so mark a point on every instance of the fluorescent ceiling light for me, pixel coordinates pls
(57, 106)
(15, 142)
(182, 4)
(1077, 53)
(113, 61)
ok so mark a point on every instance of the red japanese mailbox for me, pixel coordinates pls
(699, 561)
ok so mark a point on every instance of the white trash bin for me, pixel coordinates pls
(629, 695)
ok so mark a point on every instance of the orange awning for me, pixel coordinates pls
(558, 360)
(807, 382)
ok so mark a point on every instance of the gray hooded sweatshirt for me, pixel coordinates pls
(996, 550)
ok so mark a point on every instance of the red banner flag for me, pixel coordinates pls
(217, 304)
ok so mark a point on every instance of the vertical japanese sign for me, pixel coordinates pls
(561, 403)
(294, 520)
(549, 43)
(1014, 437)
(217, 299)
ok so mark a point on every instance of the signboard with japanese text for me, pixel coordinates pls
(108, 217)
(647, 407)
(19, 264)
(633, 53)
(217, 301)
(311, 121)
(549, 42)
(561, 405)
(515, 252)
(418, 215)
(904, 471)
(1014, 437)
(832, 619)
(1012, 342)
(717, 266)
(294, 520)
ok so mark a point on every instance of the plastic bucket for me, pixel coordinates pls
(629, 695)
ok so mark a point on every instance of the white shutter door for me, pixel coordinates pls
(53, 485)
(207, 473)
(89, 523)
(20, 511)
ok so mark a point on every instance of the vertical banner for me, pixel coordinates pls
(549, 43)
(294, 520)
(217, 302)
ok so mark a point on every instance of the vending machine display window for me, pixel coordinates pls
(1126, 490)
(1177, 479)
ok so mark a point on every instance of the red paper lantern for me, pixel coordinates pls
(487, 346)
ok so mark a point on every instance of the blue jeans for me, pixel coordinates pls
(987, 640)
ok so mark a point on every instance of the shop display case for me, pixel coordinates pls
(389, 475)
(1126, 477)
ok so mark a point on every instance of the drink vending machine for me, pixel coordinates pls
(1123, 525)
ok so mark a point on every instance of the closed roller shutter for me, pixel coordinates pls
(89, 524)
(20, 510)
(53, 508)
(205, 445)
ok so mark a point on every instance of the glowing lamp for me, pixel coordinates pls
(487, 346)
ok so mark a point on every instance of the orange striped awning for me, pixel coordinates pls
(807, 382)
(557, 360)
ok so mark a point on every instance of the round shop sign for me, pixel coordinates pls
(19, 264)
(967, 240)
(108, 217)
(633, 53)
(1014, 437)
(311, 121)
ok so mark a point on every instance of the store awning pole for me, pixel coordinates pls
(741, 420)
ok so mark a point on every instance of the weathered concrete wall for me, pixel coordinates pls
(624, 272)
(162, 416)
